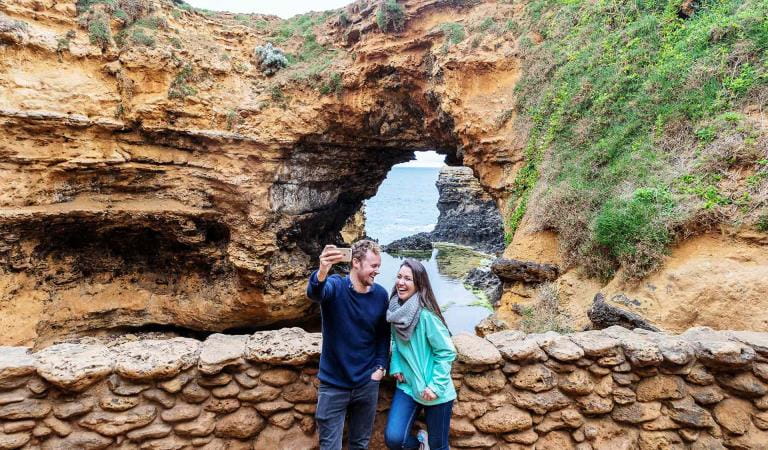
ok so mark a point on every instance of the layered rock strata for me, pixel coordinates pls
(606, 389)
(468, 214)
(176, 184)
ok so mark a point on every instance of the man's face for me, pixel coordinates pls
(365, 270)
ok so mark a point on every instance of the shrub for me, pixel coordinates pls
(454, 32)
(511, 27)
(635, 230)
(301, 25)
(332, 86)
(85, 5)
(544, 315)
(390, 16)
(98, 32)
(122, 15)
(152, 22)
(276, 93)
(278, 97)
(141, 38)
(180, 87)
(270, 59)
(487, 24)
(63, 43)
(762, 223)
(344, 21)
(232, 119)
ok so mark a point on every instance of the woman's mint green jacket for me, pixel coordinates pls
(425, 360)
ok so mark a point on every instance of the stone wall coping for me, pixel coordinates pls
(77, 366)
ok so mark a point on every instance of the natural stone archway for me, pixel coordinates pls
(126, 206)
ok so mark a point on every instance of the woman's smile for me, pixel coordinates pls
(404, 283)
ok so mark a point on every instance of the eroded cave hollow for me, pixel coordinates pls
(196, 232)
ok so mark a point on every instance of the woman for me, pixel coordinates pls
(422, 352)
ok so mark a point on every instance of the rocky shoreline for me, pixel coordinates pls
(468, 216)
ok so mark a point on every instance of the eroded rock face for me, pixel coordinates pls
(468, 214)
(129, 204)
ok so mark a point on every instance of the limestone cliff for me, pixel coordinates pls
(172, 182)
(155, 175)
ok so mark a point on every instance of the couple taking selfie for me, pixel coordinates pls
(361, 323)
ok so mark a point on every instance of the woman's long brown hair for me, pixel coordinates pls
(423, 288)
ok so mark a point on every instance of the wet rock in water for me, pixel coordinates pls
(416, 242)
(484, 279)
(604, 315)
(468, 215)
(514, 270)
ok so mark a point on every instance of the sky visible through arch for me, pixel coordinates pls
(425, 159)
(283, 8)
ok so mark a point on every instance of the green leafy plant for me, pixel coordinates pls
(333, 85)
(270, 58)
(141, 38)
(82, 6)
(180, 86)
(390, 16)
(344, 20)
(762, 223)
(232, 119)
(99, 33)
(623, 98)
(454, 32)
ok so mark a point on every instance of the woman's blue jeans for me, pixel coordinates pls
(401, 416)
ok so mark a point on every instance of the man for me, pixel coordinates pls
(355, 344)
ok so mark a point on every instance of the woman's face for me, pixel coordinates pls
(404, 283)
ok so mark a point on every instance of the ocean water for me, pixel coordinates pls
(405, 204)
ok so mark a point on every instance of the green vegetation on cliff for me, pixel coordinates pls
(642, 124)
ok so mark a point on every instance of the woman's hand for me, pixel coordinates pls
(399, 377)
(428, 395)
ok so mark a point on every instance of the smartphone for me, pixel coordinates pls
(347, 252)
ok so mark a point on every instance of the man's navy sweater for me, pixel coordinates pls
(355, 330)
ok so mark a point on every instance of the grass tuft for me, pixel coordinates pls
(544, 315)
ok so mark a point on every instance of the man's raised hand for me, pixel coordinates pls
(330, 256)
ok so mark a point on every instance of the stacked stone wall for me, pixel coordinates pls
(608, 389)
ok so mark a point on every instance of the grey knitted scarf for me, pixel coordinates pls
(404, 317)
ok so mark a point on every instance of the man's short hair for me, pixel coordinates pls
(360, 248)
